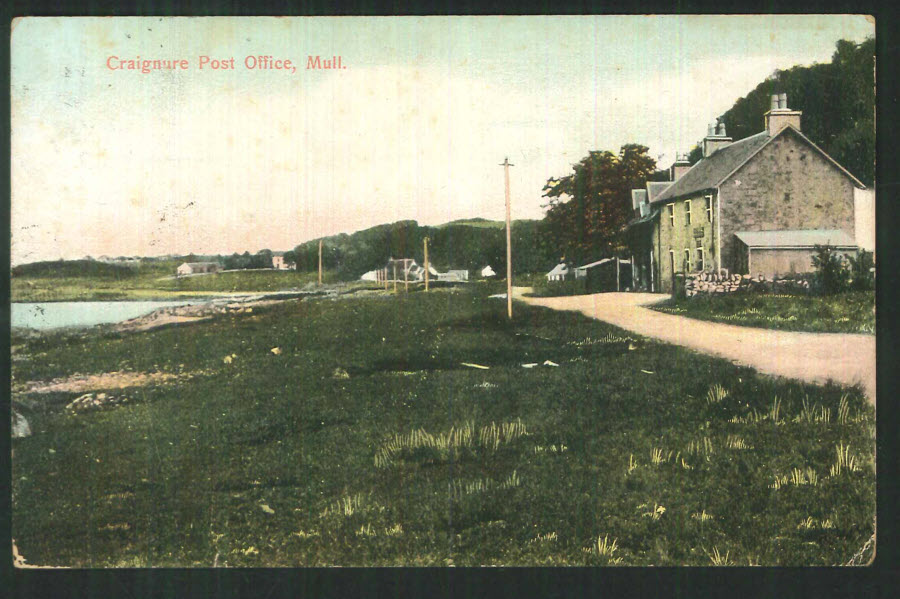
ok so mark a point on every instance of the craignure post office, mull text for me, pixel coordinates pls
(209, 63)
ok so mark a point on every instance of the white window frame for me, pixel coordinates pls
(687, 255)
(671, 209)
(687, 212)
(709, 208)
(701, 257)
(672, 260)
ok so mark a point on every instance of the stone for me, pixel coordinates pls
(20, 427)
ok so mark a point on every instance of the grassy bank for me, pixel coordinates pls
(365, 440)
(155, 283)
(850, 312)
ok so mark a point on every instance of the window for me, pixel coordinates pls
(671, 209)
(687, 212)
(709, 209)
(672, 260)
(701, 260)
(687, 260)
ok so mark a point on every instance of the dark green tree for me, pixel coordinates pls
(589, 208)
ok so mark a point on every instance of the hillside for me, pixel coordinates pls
(470, 244)
(838, 104)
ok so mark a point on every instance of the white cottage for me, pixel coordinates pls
(559, 272)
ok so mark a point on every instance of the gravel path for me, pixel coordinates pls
(815, 357)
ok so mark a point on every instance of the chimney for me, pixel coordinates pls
(780, 116)
(715, 139)
(680, 167)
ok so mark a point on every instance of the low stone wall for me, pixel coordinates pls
(706, 283)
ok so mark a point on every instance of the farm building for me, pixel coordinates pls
(609, 274)
(196, 268)
(753, 206)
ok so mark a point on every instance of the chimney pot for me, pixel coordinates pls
(720, 130)
(782, 101)
(711, 130)
(774, 104)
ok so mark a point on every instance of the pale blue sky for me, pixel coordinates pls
(126, 163)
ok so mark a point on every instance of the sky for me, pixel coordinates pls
(414, 126)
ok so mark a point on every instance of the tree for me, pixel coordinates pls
(838, 104)
(589, 208)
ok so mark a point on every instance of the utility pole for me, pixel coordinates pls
(426, 264)
(320, 262)
(506, 166)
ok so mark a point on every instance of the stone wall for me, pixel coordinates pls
(708, 283)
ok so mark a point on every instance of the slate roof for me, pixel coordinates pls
(714, 169)
(654, 188)
(807, 238)
(710, 171)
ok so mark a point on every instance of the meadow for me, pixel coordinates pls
(427, 429)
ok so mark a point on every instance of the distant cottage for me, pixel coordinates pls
(754, 206)
(278, 261)
(559, 273)
(196, 268)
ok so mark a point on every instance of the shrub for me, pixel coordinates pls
(862, 275)
(557, 288)
(831, 270)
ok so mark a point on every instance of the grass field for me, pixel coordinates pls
(156, 282)
(365, 440)
(850, 312)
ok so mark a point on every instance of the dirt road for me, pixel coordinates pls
(813, 357)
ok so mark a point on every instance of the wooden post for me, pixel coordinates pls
(426, 264)
(618, 287)
(633, 286)
(405, 277)
(395, 277)
(320, 262)
(506, 166)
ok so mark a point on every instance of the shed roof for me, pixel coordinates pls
(793, 239)
(593, 264)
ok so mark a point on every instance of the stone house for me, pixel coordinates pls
(279, 263)
(755, 206)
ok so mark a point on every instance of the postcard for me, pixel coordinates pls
(443, 291)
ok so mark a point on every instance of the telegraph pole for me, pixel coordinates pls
(426, 264)
(320, 262)
(506, 166)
